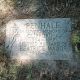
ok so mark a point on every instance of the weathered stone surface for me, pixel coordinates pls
(39, 39)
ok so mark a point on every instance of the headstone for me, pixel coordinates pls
(39, 39)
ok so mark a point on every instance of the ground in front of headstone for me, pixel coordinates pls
(40, 70)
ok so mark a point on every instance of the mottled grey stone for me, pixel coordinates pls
(39, 39)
